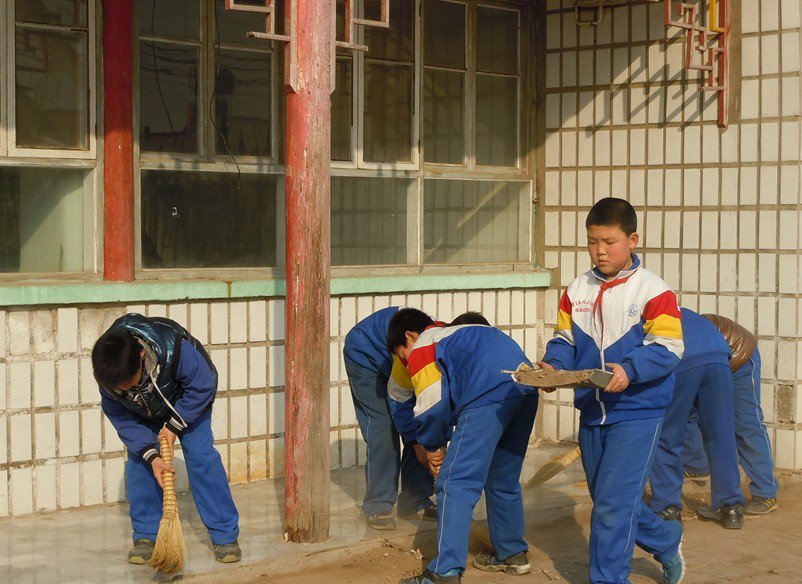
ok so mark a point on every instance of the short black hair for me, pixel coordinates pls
(403, 321)
(470, 317)
(613, 212)
(116, 358)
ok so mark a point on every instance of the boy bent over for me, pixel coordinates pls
(702, 380)
(156, 380)
(373, 375)
(456, 373)
(622, 317)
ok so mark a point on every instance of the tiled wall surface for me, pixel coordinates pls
(719, 211)
(58, 451)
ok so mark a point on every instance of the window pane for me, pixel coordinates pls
(206, 220)
(176, 18)
(63, 12)
(232, 25)
(443, 116)
(444, 44)
(496, 120)
(369, 221)
(41, 220)
(168, 97)
(242, 101)
(388, 113)
(52, 109)
(472, 221)
(496, 40)
(341, 112)
(398, 41)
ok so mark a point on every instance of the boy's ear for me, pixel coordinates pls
(633, 240)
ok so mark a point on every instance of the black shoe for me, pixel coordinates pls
(227, 553)
(730, 516)
(141, 552)
(516, 565)
(671, 513)
(760, 505)
(428, 513)
(429, 577)
(383, 521)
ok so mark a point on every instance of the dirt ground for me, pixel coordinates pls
(768, 550)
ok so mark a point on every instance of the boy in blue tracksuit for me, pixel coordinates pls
(704, 381)
(457, 380)
(157, 381)
(622, 317)
(754, 448)
(369, 365)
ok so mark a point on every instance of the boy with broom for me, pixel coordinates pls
(457, 379)
(622, 317)
(156, 380)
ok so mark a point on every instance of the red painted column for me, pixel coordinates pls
(308, 260)
(118, 139)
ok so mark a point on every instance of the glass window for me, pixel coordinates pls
(369, 220)
(176, 19)
(496, 120)
(51, 76)
(341, 111)
(41, 220)
(496, 40)
(444, 34)
(208, 219)
(470, 221)
(168, 97)
(389, 84)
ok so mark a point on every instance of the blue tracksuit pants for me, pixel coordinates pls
(617, 459)
(709, 389)
(207, 478)
(385, 461)
(486, 452)
(751, 436)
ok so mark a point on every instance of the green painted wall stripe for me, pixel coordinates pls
(158, 291)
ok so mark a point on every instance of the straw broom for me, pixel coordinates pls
(169, 552)
(480, 534)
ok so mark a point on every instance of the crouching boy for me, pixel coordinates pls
(457, 379)
(156, 380)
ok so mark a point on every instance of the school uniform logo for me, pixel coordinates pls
(633, 310)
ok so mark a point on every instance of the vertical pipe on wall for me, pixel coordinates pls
(118, 140)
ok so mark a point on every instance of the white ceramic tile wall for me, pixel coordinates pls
(727, 201)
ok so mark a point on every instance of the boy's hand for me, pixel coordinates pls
(544, 365)
(170, 435)
(435, 460)
(159, 466)
(620, 381)
(420, 454)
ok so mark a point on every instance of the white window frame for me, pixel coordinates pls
(207, 159)
(62, 153)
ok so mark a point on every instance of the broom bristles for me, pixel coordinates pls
(480, 532)
(553, 467)
(169, 552)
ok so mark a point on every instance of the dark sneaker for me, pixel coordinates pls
(516, 565)
(141, 552)
(730, 516)
(760, 506)
(674, 571)
(227, 553)
(429, 577)
(671, 513)
(428, 513)
(382, 521)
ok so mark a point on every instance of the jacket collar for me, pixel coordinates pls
(622, 275)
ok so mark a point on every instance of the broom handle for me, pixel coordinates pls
(170, 503)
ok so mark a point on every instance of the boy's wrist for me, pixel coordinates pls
(149, 453)
(175, 426)
(629, 370)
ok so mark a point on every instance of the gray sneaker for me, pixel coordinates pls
(516, 565)
(227, 553)
(141, 552)
(760, 506)
(383, 521)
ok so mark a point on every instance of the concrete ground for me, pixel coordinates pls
(90, 545)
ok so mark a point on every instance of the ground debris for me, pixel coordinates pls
(417, 553)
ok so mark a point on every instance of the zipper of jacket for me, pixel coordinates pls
(601, 350)
(144, 402)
